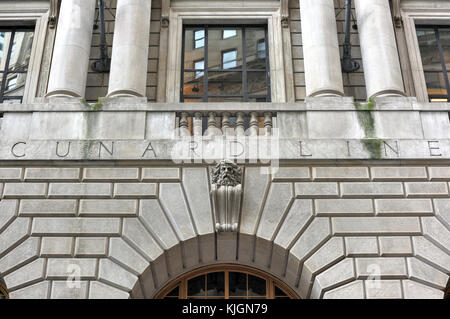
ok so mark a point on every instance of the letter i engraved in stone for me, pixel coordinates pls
(184, 124)
(254, 124)
(267, 123)
(240, 124)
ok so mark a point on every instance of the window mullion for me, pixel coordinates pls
(244, 67)
(205, 67)
(6, 71)
(444, 67)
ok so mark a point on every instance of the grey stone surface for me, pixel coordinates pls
(428, 252)
(57, 246)
(417, 189)
(110, 174)
(287, 174)
(436, 232)
(77, 290)
(69, 268)
(21, 255)
(442, 207)
(26, 275)
(47, 207)
(398, 173)
(123, 254)
(16, 232)
(99, 290)
(423, 272)
(336, 275)
(68, 174)
(24, 190)
(403, 207)
(383, 289)
(439, 173)
(316, 190)
(386, 189)
(7, 212)
(415, 290)
(78, 190)
(36, 291)
(9, 174)
(392, 267)
(340, 173)
(161, 174)
(375, 225)
(353, 290)
(115, 275)
(135, 190)
(395, 246)
(361, 246)
(109, 207)
(343, 207)
(91, 247)
(76, 226)
(137, 236)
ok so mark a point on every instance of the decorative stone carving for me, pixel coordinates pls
(226, 192)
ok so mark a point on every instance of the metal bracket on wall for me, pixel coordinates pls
(53, 14)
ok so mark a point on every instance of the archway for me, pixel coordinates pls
(226, 281)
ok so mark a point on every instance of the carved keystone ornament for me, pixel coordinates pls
(226, 191)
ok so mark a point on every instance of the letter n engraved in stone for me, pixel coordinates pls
(303, 151)
(62, 153)
(434, 148)
(15, 153)
(149, 149)
(394, 149)
(103, 146)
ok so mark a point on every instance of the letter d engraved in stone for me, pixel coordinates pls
(73, 278)
(61, 153)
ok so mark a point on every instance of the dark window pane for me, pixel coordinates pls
(192, 83)
(4, 47)
(21, 51)
(256, 83)
(444, 37)
(193, 49)
(435, 83)
(174, 293)
(255, 48)
(218, 48)
(238, 284)
(256, 286)
(429, 49)
(224, 83)
(215, 284)
(196, 286)
(279, 292)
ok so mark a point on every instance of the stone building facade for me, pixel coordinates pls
(224, 134)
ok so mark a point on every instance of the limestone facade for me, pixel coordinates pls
(106, 179)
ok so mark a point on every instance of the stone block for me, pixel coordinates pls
(26, 275)
(380, 267)
(385, 189)
(36, 291)
(91, 247)
(398, 173)
(47, 207)
(398, 125)
(24, 190)
(135, 190)
(56, 247)
(67, 226)
(361, 246)
(16, 232)
(383, 289)
(352, 290)
(80, 190)
(403, 207)
(436, 232)
(8, 210)
(115, 275)
(109, 207)
(435, 125)
(340, 173)
(395, 246)
(418, 189)
(68, 268)
(342, 207)
(71, 290)
(123, 254)
(162, 174)
(99, 174)
(439, 173)
(423, 272)
(22, 254)
(415, 290)
(316, 190)
(291, 174)
(139, 238)
(38, 174)
(442, 207)
(345, 125)
(99, 290)
(376, 225)
(10, 174)
(427, 251)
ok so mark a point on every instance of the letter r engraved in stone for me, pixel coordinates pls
(13, 150)
(434, 148)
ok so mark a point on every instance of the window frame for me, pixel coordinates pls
(17, 13)
(271, 281)
(245, 95)
(443, 70)
(3, 290)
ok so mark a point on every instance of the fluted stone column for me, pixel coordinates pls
(70, 62)
(128, 76)
(378, 48)
(323, 75)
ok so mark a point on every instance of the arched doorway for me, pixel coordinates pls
(226, 282)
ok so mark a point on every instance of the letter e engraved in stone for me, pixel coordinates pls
(395, 150)
(14, 152)
(103, 146)
(149, 149)
(73, 278)
(65, 154)
(303, 151)
(434, 148)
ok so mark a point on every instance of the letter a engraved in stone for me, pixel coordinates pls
(109, 151)
(13, 150)
(62, 155)
(149, 149)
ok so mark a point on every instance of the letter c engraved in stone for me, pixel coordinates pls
(13, 150)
